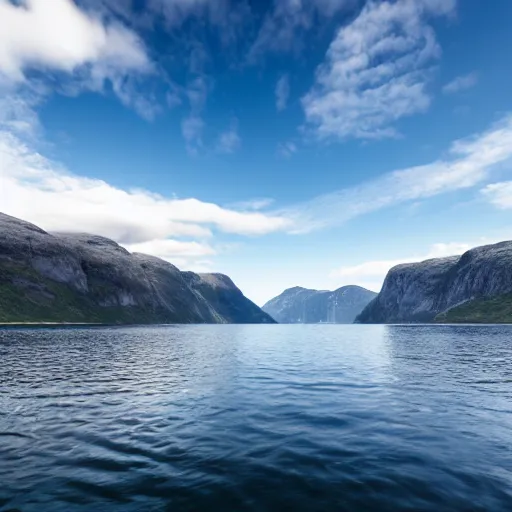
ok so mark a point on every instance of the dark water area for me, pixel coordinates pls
(256, 418)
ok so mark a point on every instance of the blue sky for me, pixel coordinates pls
(282, 142)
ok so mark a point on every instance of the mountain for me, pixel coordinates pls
(460, 288)
(65, 277)
(300, 305)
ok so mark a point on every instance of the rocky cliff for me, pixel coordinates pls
(64, 277)
(300, 305)
(419, 292)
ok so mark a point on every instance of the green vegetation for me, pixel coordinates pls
(26, 296)
(495, 310)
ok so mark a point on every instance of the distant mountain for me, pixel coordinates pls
(300, 305)
(86, 278)
(474, 287)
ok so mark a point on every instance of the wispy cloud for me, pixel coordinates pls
(287, 149)
(229, 141)
(282, 92)
(499, 194)
(17, 114)
(226, 16)
(253, 204)
(283, 27)
(280, 29)
(461, 83)
(192, 130)
(192, 126)
(197, 92)
(376, 71)
(468, 163)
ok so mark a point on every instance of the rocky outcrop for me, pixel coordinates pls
(69, 277)
(419, 292)
(301, 305)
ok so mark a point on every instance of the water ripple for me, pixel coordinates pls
(256, 418)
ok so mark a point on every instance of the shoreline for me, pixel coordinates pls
(36, 325)
(52, 324)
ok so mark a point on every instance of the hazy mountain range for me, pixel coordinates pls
(304, 306)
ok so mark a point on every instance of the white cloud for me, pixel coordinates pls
(38, 190)
(195, 265)
(461, 83)
(282, 92)
(168, 249)
(468, 164)
(376, 71)
(229, 141)
(499, 194)
(58, 36)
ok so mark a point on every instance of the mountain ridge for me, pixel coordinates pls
(304, 305)
(84, 278)
(429, 290)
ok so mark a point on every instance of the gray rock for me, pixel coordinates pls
(418, 292)
(301, 305)
(225, 298)
(77, 277)
(23, 242)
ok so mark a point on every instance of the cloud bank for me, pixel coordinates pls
(43, 192)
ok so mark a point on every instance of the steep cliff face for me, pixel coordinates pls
(86, 278)
(301, 305)
(22, 243)
(225, 298)
(419, 292)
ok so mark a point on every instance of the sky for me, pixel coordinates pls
(283, 142)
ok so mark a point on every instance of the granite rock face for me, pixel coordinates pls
(418, 292)
(301, 305)
(69, 277)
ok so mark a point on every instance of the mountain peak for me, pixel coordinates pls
(303, 305)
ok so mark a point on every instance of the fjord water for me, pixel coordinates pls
(236, 418)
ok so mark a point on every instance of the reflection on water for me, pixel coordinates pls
(298, 417)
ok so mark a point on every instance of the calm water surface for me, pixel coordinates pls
(256, 418)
